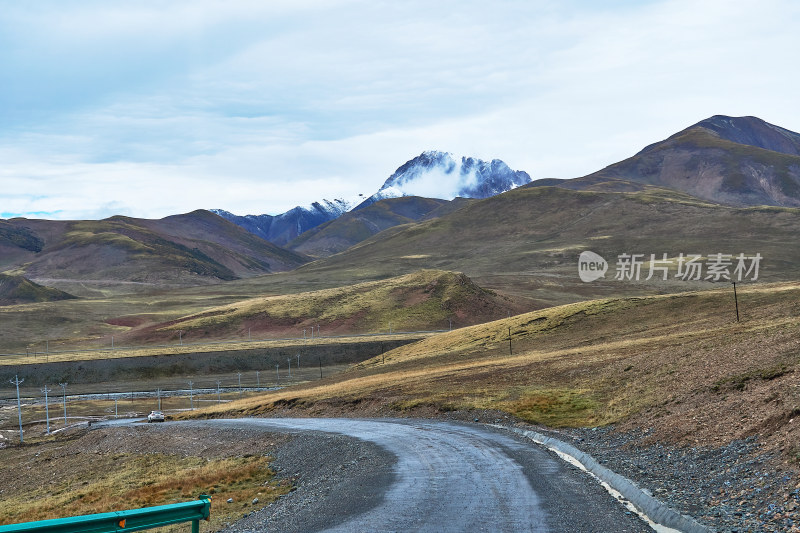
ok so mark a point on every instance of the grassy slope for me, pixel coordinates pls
(701, 163)
(123, 254)
(17, 289)
(356, 226)
(678, 363)
(523, 243)
(98, 472)
(528, 240)
(422, 300)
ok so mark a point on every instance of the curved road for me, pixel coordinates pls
(447, 477)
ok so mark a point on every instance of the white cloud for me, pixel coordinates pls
(153, 109)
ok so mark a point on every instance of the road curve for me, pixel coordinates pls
(453, 477)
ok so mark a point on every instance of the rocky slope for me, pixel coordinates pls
(738, 161)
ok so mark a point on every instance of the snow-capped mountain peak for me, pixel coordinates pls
(431, 174)
(435, 174)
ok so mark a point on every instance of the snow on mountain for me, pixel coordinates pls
(440, 175)
(280, 229)
(432, 174)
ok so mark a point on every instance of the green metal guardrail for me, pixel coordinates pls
(122, 521)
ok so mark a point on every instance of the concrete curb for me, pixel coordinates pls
(651, 508)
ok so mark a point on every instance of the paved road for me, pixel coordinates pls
(446, 477)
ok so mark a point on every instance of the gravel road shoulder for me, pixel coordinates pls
(334, 477)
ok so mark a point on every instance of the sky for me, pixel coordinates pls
(152, 108)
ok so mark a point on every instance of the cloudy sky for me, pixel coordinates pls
(151, 108)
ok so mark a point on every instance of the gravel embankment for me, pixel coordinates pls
(341, 480)
(735, 488)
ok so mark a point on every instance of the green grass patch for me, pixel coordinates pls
(739, 381)
(556, 407)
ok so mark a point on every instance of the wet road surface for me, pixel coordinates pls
(443, 477)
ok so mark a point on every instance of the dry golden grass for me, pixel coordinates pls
(89, 355)
(130, 481)
(680, 362)
(422, 300)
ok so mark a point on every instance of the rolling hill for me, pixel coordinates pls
(423, 300)
(18, 290)
(527, 241)
(122, 254)
(680, 363)
(356, 226)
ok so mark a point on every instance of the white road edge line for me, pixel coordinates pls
(621, 488)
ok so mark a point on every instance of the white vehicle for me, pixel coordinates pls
(156, 416)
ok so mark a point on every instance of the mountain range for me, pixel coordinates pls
(711, 176)
(432, 174)
(97, 257)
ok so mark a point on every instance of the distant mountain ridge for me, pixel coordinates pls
(360, 224)
(432, 174)
(128, 254)
(739, 161)
(280, 229)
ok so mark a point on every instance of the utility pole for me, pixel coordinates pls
(180, 337)
(64, 390)
(320, 365)
(290, 367)
(45, 390)
(16, 382)
(509, 340)
(304, 334)
(191, 397)
(736, 299)
(219, 398)
(298, 361)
